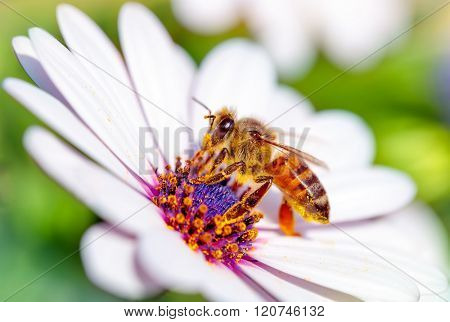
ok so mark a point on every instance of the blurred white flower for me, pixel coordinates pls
(86, 96)
(291, 30)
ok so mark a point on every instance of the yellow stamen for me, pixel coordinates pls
(202, 209)
(241, 226)
(187, 202)
(250, 235)
(198, 223)
(173, 181)
(172, 200)
(188, 189)
(179, 218)
(227, 230)
(217, 254)
(206, 238)
(233, 247)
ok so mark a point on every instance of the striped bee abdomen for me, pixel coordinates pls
(301, 187)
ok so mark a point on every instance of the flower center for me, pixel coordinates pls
(197, 211)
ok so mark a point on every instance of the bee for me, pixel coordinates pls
(249, 149)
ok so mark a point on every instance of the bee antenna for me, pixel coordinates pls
(202, 104)
(210, 116)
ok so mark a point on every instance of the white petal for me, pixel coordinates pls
(353, 30)
(341, 139)
(363, 193)
(413, 239)
(222, 284)
(345, 268)
(206, 17)
(285, 97)
(62, 120)
(270, 206)
(354, 194)
(186, 70)
(428, 278)
(164, 254)
(155, 65)
(442, 297)
(30, 62)
(86, 96)
(283, 29)
(417, 230)
(236, 74)
(285, 287)
(161, 254)
(109, 261)
(103, 62)
(112, 199)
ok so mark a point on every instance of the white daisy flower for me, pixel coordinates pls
(88, 95)
(347, 30)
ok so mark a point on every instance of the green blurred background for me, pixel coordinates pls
(403, 99)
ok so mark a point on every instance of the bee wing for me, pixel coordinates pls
(307, 157)
(302, 155)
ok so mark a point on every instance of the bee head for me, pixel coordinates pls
(221, 127)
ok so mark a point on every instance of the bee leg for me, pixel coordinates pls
(219, 159)
(286, 219)
(222, 175)
(255, 197)
(197, 161)
(202, 163)
(248, 201)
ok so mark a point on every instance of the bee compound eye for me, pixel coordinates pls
(255, 134)
(225, 126)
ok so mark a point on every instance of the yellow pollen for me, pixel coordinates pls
(187, 202)
(227, 230)
(192, 243)
(250, 235)
(172, 200)
(162, 200)
(239, 257)
(218, 220)
(198, 223)
(207, 140)
(173, 181)
(179, 218)
(202, 209)
(232, 247)
(257, 216)
(188, 189)
(218, 231)
(241, 226)
(206, 238)
(217, 254)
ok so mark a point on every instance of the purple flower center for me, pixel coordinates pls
(198, 213)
